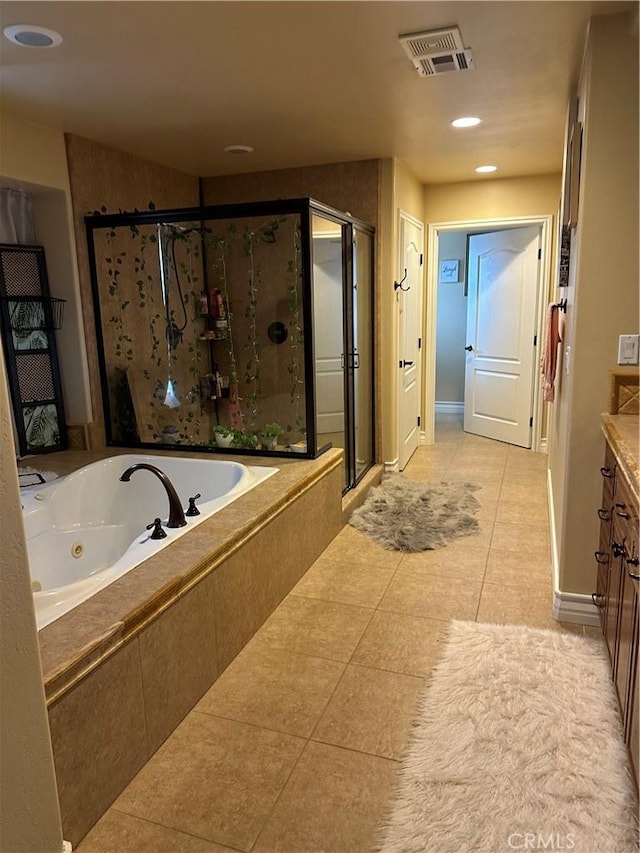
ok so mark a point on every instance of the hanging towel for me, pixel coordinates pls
(549, 360)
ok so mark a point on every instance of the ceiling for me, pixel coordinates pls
(302, 82)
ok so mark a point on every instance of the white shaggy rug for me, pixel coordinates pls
(403, 515)
(518, 746)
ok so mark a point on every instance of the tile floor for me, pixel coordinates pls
(296, 746)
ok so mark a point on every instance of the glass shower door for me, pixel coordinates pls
(328, 332)
(362, 359)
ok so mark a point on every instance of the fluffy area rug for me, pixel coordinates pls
(402, 515)
(518, 746)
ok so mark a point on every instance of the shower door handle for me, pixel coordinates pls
(469, 348)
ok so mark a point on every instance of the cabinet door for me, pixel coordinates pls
(633, 734)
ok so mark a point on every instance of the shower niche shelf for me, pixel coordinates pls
(270, 304)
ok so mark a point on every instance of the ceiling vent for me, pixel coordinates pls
(437, 51)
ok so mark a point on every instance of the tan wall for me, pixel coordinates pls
(34, 157)
(603, 296)
(104, 176)
(492, 199)
(29, 813)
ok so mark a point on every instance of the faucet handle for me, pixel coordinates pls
(193, 509)
(158, 532)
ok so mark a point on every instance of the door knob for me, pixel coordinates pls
(469, 348)
(406, 363)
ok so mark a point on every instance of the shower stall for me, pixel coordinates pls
(237, 328)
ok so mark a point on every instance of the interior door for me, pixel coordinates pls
(409, 336)
(501, 321)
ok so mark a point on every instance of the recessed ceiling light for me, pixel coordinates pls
(466, 121)
(486, 169)
(238, 149)
(27, 35)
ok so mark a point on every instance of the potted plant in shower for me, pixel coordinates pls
(269, 436)
(223, 435)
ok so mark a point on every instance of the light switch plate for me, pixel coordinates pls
(628, 349)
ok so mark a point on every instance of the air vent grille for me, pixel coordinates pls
(437, 51)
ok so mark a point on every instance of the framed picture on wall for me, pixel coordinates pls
(449, 271)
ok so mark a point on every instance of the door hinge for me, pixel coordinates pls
(531, 421)
(539, 254)
(419, 343)
(418, 420)
(535, 340)
(421, 258)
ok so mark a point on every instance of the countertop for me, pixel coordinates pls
(621, 431)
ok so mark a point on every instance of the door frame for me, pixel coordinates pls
(434, 229)
(403, 217)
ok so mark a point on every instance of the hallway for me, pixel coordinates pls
(296, 746)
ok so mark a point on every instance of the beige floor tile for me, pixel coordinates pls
(592, 631)
(313, 627)
(371, 711)
(333, 802)
(527, 459)
(418, 594)
(352, 546)
(121, 833)
(450, 562)
(213, 778)
(332, 579)
(532, 478)
(273, 688)
(400, 643)
(426, 473)
(528, 540)
(525, 493)
(531, 514)
(510, 568)
(517, 606)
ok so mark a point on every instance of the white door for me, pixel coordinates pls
(409, 335)
(501, 321)
(329, 332)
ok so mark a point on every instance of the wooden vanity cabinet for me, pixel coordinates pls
(616, 593)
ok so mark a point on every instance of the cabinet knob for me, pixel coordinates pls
(602, 557)
(603, 515)
(606, 472)
(598, 599)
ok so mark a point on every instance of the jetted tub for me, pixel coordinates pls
(87, 529)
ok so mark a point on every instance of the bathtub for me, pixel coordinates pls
(87, 529)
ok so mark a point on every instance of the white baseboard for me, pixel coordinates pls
(423, 437)
(66, 847)
(542, 448)
(574, 607)
(567, 606)
(393, 466)
(449, 408)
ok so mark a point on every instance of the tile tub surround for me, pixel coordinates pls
(123, 669)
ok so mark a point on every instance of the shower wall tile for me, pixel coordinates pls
(99, 740)
(178, 658)
(250, 584)
(349, 187)
(98, 176)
